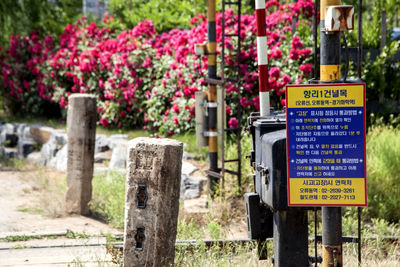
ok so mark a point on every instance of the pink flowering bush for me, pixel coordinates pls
(22, 89)
(142, 78)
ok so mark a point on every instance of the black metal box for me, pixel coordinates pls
(271, 170)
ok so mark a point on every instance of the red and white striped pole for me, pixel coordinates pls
(262, 54)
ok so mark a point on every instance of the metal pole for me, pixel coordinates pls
(212, 96)
(315, 36)
(262, 55)
(330, 71)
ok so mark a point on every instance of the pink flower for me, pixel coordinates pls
(175, 108)
(26, 85)
(286, 78)
(233, 122)
(296, 43)
(304, 53)
(293, 54)
(275, 72)
(283, 102)
(175, 120)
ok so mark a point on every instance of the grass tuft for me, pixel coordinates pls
(383, 158)
(108, 200)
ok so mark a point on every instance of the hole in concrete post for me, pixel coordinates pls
(139, 238)
(141, 196)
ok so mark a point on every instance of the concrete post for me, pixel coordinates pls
(81, 122)
(152, 201)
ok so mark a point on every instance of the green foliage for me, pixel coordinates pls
(12, 164)
(189, 230)
(108, 199)
(76, 235)
(23, 17)
(15, 238)
(189, 139)
(231, 153)
(215, 230)
(372, 19)
(383, 157)
(382, 78)
(166, 14)
(229, 255)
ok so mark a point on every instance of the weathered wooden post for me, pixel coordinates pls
(81, 122)
(152, 201)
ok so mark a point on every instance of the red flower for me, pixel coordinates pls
(276, 54)
(104, 122)
(228, 110)
(306, 68)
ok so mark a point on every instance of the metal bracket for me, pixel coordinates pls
(141, 196)
(210, 104)
(264, 171)
(211, 134)
(339, 18)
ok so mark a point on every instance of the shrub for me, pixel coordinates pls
(383, 157)
(166, 14)
(142, 78)
(23, 90)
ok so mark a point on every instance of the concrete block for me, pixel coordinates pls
(81, 122)
(152, 201)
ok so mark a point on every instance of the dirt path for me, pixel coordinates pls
(70, 241)
(35, 231)
(18, 203)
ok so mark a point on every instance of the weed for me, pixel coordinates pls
(31, 210)
(12, 164)
(229, 255)
(215, 230)
(15, 238)
(108, 201)
(19, 247)
(115, 252)
(225, 210)
(188, 230)
(76, 235)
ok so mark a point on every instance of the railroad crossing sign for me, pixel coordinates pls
(326, 145)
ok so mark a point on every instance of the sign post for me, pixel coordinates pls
(326, 145)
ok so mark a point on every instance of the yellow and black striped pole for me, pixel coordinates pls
(330, 71)
(212, 96)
